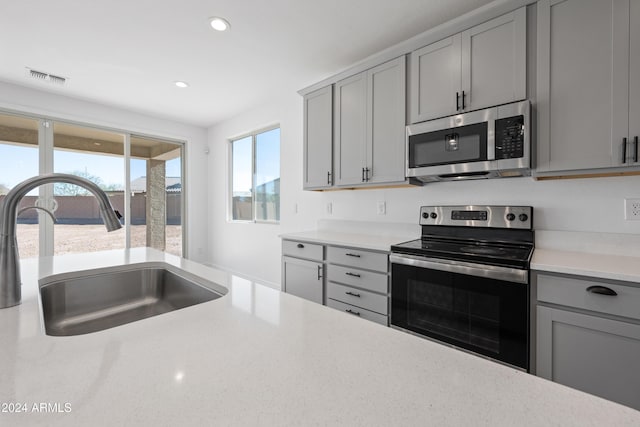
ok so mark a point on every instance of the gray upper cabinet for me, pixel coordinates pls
(385, 154)
(351, 129)
(435, 80)
(588, 78)
(480, 67)
(318, 138)
(370, 123)
(494, 61)
(634, 82)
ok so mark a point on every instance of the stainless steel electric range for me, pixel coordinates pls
(465, 282)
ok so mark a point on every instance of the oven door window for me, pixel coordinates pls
(486, 316)
(456, 145)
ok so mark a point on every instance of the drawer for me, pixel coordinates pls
(359, 312)
(359, 298)
(376, 282)
(377, 261)
(572, 292)
(304, 250)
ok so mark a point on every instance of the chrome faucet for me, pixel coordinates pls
(10, 282)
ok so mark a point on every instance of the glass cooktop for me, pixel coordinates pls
(502, 254)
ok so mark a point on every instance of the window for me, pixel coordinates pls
(255, 177)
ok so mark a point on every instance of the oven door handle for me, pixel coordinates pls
(489, 271)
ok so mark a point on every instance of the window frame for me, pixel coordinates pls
(253, 134)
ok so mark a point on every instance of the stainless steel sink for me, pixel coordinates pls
(91, 303)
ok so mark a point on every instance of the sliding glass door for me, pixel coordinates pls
(98, 156)
(19, 160)
(141, 175)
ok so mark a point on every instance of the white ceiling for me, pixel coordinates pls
(128, 53)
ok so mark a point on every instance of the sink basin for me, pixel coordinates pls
(91, 303)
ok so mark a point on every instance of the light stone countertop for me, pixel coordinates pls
(372, 241)
(609, 256)
(600, 266)
(261, 357)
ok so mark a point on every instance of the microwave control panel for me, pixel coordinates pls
(510, 137)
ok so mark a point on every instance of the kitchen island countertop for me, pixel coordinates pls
(259, 357)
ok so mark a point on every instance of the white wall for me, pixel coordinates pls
(38, 103)
(595, 204)
(253, 249)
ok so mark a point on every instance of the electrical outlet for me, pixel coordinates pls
(632, 209)
(382, 208)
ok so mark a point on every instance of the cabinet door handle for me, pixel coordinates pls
(319, 272)
(348, 273)
(329, 177)
(300, 246)
(601, 290)
(463, 106)
(457, 101)
(353, 294)
(624, 150)
(352, 312)
(353, 255)
(635, 149)
(366, 174)
(362, 174)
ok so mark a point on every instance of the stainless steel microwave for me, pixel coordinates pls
(490, 143)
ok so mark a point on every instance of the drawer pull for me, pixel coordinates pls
(348, 273)
(300, 246)
(353, 255)
(352, 312)
(353, 294)
(601, 290)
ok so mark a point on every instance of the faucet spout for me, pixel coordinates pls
(10, 282)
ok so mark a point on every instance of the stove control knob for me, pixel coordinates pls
(511, 217)
(523, 217)
(425, 215)
(434, 215)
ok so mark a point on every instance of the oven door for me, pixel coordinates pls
(483, 309)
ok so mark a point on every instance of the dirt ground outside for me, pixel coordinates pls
(71, 238)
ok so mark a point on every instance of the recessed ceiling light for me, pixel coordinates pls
(181, 84)
(219, 24)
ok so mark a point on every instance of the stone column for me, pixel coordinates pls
(156, 204)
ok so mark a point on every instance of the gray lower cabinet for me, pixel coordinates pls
(358, 282)
(588, 338)
(303, 270)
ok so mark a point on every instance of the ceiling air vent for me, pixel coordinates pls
(39, 75)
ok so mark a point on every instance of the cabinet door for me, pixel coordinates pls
(582, 83)
(350, 129)
(318, 137)
(494, 61)
(590, 353)
(303, 278)
(386, 122)
(634, 83)
(435, 80)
